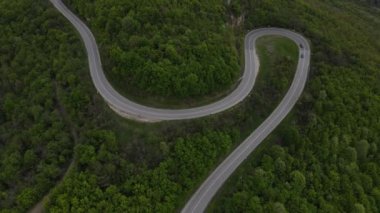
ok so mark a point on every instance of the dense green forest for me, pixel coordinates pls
(329, 162)
(172, 49)
(38, 90)
(160, 180)
(52, 117)
(324, 157)
(375, 3)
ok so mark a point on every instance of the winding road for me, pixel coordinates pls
(132, 110)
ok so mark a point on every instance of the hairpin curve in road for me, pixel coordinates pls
(132, 110)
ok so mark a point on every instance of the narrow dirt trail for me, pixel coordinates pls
(39, 207)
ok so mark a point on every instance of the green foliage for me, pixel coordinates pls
(157, 189)
(328, 157)
(278, 208)
(325, 158)
(156, 167)
(35, 141)
(176, 49)
(358, 208)
(362, 148)
(43, 102)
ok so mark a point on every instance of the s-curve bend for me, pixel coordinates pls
(132, 110)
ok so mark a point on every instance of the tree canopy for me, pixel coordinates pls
(164, 48)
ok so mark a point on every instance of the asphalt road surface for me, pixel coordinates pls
(129, 109)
